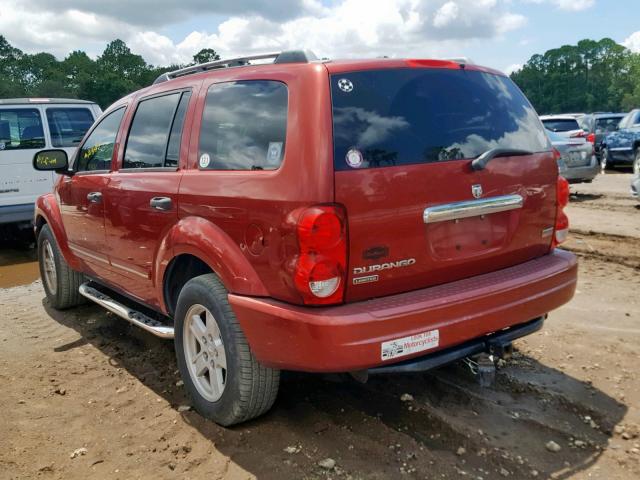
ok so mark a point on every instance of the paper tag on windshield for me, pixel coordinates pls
(401, 347)
(273, 154)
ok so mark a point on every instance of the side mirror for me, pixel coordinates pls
(51, 160)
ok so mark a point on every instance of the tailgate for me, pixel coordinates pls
(403, 141)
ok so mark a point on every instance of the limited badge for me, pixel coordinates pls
(345, 85)
(354, 158)
(205, 160)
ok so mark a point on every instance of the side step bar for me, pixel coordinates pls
(139, 319)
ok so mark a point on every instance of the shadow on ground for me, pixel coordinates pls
(370, 431)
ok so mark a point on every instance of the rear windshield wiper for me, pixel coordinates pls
(480, 162)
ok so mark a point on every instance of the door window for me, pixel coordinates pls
(68, 125)
(244, 126)
(156, 131)
(21, 128)
(97, 151)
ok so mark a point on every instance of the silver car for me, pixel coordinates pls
(577, 162)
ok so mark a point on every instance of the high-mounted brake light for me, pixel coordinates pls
(431, 63)
(321, 264)
(561, 229)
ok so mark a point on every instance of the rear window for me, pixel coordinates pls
(562, 125)
(407, 116)
(68, 125)
(607, 124)
(21, 128)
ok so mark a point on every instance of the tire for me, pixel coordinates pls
(636, 162)
(222, 377)
(60, 282)
(605, 162)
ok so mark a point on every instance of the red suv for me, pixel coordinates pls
(363, 216)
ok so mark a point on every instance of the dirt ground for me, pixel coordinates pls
(86, 380)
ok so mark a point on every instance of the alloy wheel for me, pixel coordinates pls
(49, 264)
(204, 352)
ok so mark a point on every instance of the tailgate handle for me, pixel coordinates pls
(472, 208)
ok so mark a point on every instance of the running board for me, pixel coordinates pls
(139, 319)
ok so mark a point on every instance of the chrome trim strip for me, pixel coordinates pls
(472, 208)
(82, 253)
(130, 270)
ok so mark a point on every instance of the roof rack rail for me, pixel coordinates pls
(287, 56)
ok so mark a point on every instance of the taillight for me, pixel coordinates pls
(321, 264)
(561, 229)
(578, 134)
(591, 138)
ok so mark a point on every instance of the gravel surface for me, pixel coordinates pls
(85, 395)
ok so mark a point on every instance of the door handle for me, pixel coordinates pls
(94, 197)
(161, 203)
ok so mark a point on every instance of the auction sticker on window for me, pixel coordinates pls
(401, 347)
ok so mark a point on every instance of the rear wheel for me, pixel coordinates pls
(61, 283)
(223, 378)
(605, 163)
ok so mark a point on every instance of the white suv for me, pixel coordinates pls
(28, 125)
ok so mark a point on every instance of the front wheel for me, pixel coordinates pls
(61, 282)
(221, 375)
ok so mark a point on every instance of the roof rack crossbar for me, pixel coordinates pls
(289, 56)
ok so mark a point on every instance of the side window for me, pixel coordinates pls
(636, 120)
(244, 126)
(68, 125)
(97, 150)
(20, 129)
(154, 137)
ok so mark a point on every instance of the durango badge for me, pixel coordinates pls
(384, 266)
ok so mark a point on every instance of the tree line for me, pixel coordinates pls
(588, 77)
(114, 74)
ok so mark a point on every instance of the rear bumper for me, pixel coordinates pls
(16, 213)
(349, 337)
(581, 174)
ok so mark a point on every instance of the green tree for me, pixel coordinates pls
(205, 55)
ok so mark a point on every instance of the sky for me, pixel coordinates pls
(502, 34)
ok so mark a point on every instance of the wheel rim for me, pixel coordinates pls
(49, 264)
(636, 164)
(603, 160)
(204, 352)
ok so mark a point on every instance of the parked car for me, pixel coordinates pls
(623, 145)
(404, 216)
(564, 125)
(28, 125)
(576, 159)
(598, 125)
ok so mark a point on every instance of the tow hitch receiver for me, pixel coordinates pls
(483, 368)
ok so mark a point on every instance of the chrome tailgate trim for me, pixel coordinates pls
(472, 208)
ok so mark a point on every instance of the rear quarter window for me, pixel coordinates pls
(407, 116)
(244, 126)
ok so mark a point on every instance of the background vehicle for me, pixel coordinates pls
(623, 145)
(564, 125)
(598, 125)
(26, 126)
(577, 162)
(264, 228)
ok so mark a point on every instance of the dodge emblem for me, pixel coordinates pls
(476, 190)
